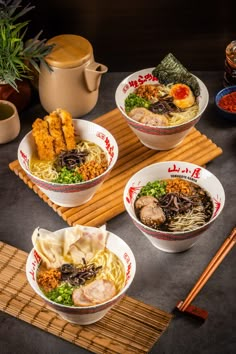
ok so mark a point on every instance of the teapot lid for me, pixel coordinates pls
(70, 51)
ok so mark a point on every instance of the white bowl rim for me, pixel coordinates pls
(136, 220)
(114, 298)
(159, 127)
(70, 184)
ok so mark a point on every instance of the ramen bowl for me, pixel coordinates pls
(71, 195)
(85, 315)
(231, 115)
(174, 241)
(156, 137)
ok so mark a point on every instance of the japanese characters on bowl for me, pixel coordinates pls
(172, 203)
(161, 104)
(91, 269)
(68, 159)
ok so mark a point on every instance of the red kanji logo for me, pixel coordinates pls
(196, 173)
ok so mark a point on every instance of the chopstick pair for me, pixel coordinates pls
(185, 306)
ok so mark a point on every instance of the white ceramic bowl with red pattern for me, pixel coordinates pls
(85, 315)
(72, 195)
(157, 137)
(174, 241)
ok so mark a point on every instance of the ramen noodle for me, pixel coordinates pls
(77, 269)
(173, 205)
(59, 157)
(162, 105)
(94, 164)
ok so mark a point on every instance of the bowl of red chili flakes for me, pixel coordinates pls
(225, 101)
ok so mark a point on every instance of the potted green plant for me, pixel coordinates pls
(19, 59)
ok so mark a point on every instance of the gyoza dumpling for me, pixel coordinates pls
(48, 247)
(72, 245)
(91, 241)
(77, 255)
(70, 237)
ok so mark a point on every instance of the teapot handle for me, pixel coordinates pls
(93, 73)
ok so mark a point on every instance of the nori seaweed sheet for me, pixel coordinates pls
(170, 70)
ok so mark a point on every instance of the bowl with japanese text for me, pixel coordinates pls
(225, 101)
(84, 273)
(159, 114)
(68, 169)
(173, 203)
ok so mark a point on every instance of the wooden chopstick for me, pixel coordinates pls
(209, 270)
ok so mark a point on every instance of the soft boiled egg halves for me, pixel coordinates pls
(183, 96)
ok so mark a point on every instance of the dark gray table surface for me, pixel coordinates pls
(161, 279)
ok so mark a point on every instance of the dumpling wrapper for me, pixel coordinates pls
(70, 238)
(48, 247)
(71, 246)
(87, 245)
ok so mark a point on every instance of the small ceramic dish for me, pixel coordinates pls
(223, 112)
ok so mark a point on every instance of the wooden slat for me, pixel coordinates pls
(131, 327)
(108, 201)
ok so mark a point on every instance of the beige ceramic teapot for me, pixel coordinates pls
(73, 84)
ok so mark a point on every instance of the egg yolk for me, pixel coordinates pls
(180, 91)
(183, 96)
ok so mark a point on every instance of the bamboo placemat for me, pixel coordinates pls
(108, 201)
(131, 327)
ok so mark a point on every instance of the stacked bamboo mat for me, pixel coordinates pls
(131, 327)
(108, 201)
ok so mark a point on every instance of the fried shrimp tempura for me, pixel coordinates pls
(54, 134)
(43, 140)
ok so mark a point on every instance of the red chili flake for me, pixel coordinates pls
(228, 102)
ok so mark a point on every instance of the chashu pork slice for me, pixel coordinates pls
(94, 293)
(145, 200)
(143, 115)
(152, 215)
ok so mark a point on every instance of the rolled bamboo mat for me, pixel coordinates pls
(130, 327)
(108, 201)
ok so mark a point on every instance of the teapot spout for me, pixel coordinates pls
(93, 73)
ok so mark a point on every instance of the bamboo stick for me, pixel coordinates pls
(133, 156)
(97, 333)
(100, 218)
(109, 117)
(210, 269)
(130, 327)
(109, 331)
(208, 156)
(119, 128)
